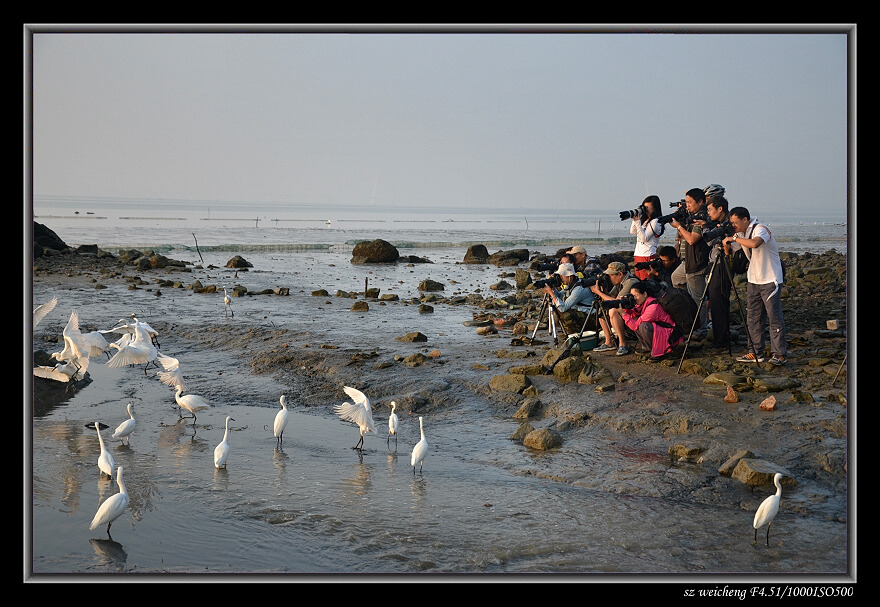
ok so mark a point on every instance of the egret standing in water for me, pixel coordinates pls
(419, 451)
(221, 451)
(228, 303)
(361, 413)
(393, 423)
(105, 460)
(124, 430)
(281, 420)
(768, 509)
(112, 507)
(190, 402)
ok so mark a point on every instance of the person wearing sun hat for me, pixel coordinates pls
(572, 300)
(622, 280)
(583, 264)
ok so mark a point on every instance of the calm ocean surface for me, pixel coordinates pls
(168, 225)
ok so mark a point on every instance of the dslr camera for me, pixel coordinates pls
(640, 211)
(602, 279)
(553, 281)
(725, 228)
(626, 302)
(655, 264)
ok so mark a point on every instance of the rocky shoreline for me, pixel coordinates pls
(712, 427)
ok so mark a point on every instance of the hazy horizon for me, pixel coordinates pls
(587, 121)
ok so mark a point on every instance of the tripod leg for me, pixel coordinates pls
(697, 317)
(540, 315)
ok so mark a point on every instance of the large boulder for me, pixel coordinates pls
(476, 254)
(375, 251)
(44, 238)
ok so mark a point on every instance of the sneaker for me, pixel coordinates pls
(623, 350)
(750, 358)
(603, 348)
(778, 360)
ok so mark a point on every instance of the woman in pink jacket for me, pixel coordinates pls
(650, 323)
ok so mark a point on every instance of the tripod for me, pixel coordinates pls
(577, 338)
(552, 319)
(720, 257)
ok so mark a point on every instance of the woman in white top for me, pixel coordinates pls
(647, 231)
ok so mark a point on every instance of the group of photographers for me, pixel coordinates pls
(709, 232)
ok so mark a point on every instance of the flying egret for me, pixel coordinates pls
(124, 430)
(75, 347)
(221, 451)
(768, 509)
(41, 310)
(171, 376)
(190, 402)
(228, 303)
(112, 507)
(393, 423)
(96, 344)
(64, 371)
(419, 451)
(105, 460)
(138, 350)
(281, 419)
(361, 413)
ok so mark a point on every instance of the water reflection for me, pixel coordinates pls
(418, 487)
(110, 551)
(221, 479)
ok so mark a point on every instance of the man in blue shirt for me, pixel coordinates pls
(572, 300)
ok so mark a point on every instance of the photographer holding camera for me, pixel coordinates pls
(583, 265)
(764, 276)
(572, 300)
(661, 269)
(689, 226)
(650, 323)
(647, 230)
(621, 282)
(719, 285)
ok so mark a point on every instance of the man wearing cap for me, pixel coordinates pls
(572, 301)
(623, 280)
(582, 264)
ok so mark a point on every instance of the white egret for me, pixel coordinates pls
(112, 507)
(64, 371)
(95, 343)
(105, 460)
(419, 451)
(124, 430)
(393, 423)
(221, 451)
(171, 376)
(190, 402)
(41, 310)
(228, 303)
(74, 346)
(361, 413)
(281, 419)
(138, 350)
(768, 509)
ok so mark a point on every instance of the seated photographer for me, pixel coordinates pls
(572, 300)
(621, 281)
(583, 265)
(649, 322)
(667, 262)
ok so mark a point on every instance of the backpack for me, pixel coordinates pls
(679, 304)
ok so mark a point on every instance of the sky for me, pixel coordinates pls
(582, 120)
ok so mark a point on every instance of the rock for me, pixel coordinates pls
(430, 285)
(569, 369)
(413, 336)
(44, 238)
(425, 309)
(372, 293)
(688, 452)
(476, 254)
(523, 278)
(758, 472)
(768, 404)
(320, 293)
(501, 285)
(729, 466)
(375, 251)
(542, 439)
(509, 383)
(773, 384)
(414, 360)
(490, 330)
(359, 306)
(239, 262)
(529, 408)
(728, 379)
(522, 431)
(508, 258)
(389, 297)
(732, 396)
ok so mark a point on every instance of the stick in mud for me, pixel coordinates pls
(197, 247)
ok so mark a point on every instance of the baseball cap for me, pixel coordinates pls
(565, 269)
(577, 249)
(615, 267)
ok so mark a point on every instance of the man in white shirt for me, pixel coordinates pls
(764, 304)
